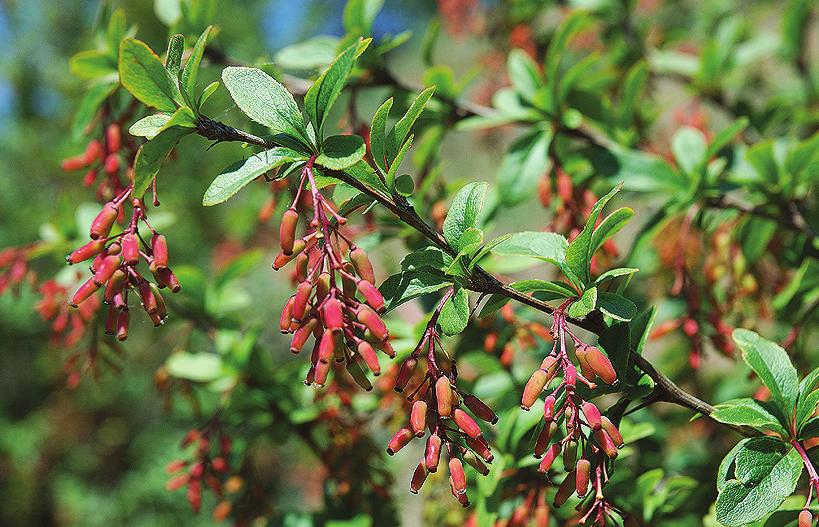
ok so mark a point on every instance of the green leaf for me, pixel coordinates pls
(310, 54)
(396, 163)
(523, 74)
(266, 101)
(725, 136)
(173, 59)
(584, 305)
(556, 289)
(92, 64)
(689, 147)
(363, 172)
(579, 252)
(403, 287)
(806, 407)
(405, 185)
(196, 367)
(90, 104)
(339, 152)
(640, 329)
(239, 174)
(610, 226)
(767, 472)
(614, 273)
(547, 246)
(747, 412)
(455, 313)
(616, 306)
(143, 74)
(150, 156)
(773, 366)
(378, 134)
(150, 125)
(428, 257)
(399, 133)
(359, 15)
(323, 93)
(524, 164)
(727, 463)
(810, 429)
(464, 211)
(206, 93)
(191, 72)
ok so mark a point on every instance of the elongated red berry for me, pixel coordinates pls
(367, 352)
(111, 165)
(601, 365)
(84, 292)
(102, 224)
(93, 151)
(165, 278)
(544, 437)
(333, 317)
(582, 472)
(122, 324)
(399, 440)
(130, 249)
(432, 453)
(466, 423)
(87, 251)
(106, 269)
(549, 458)
(612, 431)
(371, 295)
(321, 373)
(480, 409)
(114, 285)
(373, 322)
(605, 443)
(327, 346)
(287, 230)
(146, 295)
(302, 334)
(566, 488)
(363, 266)
(570, 377)
(418, 417)
(443, 396)
(592, 415)
(283, 259)
(549, 408)
(418, 478)
(549, 365)
(71, 164)
(473, 461)
(533, 388)
(113, 138)
(405, 373)
(286, 316)
(805, 518)
(300, 303)
(159, 249)
(480, 447)
(456, 472)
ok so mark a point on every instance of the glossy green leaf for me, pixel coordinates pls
(614, 273)
(747, 412)
(92, 64)
(173, 58)
(363, 172)
(584, 305)
(152, 154)
(378, 134)
(579, 251)
(523, 165)
(401, 130)
(773, 366)
(405, 286)
(341, 151)
(455, 313)
(610, 226)
(143, 74)
(396, 163)
(310, 54)
(266, 101)
(190, 74)
(239, 174)
(464, 211)
(616, 306)
(150, 125)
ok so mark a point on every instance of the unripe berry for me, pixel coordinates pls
(605, 443)
(549, 408)
(399, 440)
(114, 285)
(549, 365)
(363, 266)
(544, 437)
(418, 417)
(358, 375)
(286, 316)
(565, 490)
(466, 423)
(287, 230)
(601, 365)
(327, 346)
(475, 463)
(87, 251)
(122, 324)
(102, 224)
(549, 458)
(443, 396)
(301, 335)
(612, 431)
(533, 388)
(569, 455)
(480, 409)
(373, 322)
(283, 259)
(322, 370)
(371, 295)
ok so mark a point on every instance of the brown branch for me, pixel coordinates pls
(481, 281)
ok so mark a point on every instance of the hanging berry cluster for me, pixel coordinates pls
(209, 466)
(115, 263)
(591, 440)
(437, 404)
(106, 155)
(325, 303)
(13, 267)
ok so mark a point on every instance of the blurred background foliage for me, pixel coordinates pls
(96, 454)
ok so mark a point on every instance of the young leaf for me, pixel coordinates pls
(143, 74)
(405, 286)
(524, 74)
(455, 313)
(378, 134)
(341, 151)
(584, 305)
(266, 101)
(689, 147)
(239, 174)
(150, 156)
(89, 105)
(395, 140)
(92, 64)
(767, 471)
(363, 172)
(464, 211)
(773, 366)
(324, 92)
(725, 136)
(610, 226)
(150, 125)
(396, 163)
(579, 252)
(191, 72)
(523, 165)
(613, 273)
(173, 59)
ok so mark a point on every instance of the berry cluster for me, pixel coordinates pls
(13, 267)
(67, 325)
(512, 333)
(437, 404)
(206, 467)
(115, 265)
(325, 304)
(106, 156)
(591, 439)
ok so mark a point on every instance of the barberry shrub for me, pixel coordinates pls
(484, 326)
